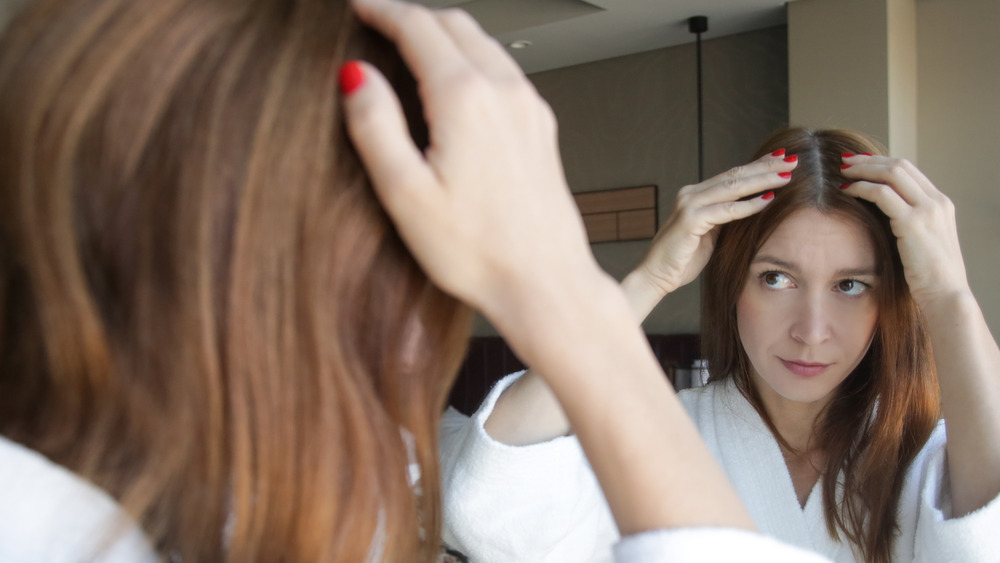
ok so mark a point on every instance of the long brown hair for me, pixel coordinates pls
(204, 309)
(885, 410)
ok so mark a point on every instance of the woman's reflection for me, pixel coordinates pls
(832, 273)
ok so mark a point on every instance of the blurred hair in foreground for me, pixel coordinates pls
(204, 309)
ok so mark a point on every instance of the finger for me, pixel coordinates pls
(882, 195)
(736, 188)
(908, 181)
(482, 50)
(764, 174)
(427, 48)
(725, 212)
(400, 175)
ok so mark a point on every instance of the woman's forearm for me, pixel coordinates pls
(634, 430)
(527, 412)
(968, 365)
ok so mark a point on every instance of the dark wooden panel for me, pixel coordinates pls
(601, 227)
(623, 199)
(635, 225)
(489, 359)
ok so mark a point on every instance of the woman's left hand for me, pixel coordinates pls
(922, 218)
(965, 353)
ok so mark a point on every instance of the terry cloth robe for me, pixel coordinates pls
(48, 514)
(701, 545)
(542, 503)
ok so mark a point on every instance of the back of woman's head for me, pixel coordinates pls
(882, 414)
(204, 309)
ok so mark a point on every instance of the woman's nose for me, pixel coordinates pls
(811, 322)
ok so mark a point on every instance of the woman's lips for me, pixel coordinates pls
(804, 369)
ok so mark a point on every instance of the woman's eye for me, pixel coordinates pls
(775, 280)
(852, 287)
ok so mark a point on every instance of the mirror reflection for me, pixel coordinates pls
(236, 283)
(631, 120)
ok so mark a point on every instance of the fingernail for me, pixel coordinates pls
(845, 186)
(768, 195)
(779, 152)
(867, 153)
(352, 76)
(785, 175)
(848, 154)
(791, 158)
(845, 166)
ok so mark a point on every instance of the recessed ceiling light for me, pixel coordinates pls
(519, 44)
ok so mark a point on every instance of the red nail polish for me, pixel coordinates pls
(845, 166)
(845, 186)
(867, 153)
(848, 154)
(791, 158)
(785, 175)
(768, 195)
(779, 152)
(352, 76)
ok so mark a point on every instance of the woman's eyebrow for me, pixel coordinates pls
(786, 265)
(767, 259)
(858, 272)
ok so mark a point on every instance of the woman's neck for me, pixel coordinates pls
(795, 421)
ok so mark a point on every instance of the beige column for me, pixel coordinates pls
(959, 123)
(852, 64)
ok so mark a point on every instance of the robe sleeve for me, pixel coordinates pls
(689, 545)
(536, 503)
(938, 536)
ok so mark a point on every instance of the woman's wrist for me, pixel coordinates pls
(551, 323)
(947, 307)
(642, 293)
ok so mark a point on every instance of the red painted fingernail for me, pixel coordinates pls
(845, 186)
(352, 76)
(845, 166)
(867, 153)
(785, 175)
(848, 154)
(768, 195)
(778, 152)
(791, 158)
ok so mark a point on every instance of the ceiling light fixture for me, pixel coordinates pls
(519, 44)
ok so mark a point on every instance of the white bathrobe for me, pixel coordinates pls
(48, 514)
(542, 503)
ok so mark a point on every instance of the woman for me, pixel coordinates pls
(215, 346)
(200, 291)
(823, 299)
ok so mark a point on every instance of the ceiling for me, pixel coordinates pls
(569, 32)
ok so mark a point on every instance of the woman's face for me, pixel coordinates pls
(808, 311)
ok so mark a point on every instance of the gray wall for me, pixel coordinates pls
(632, 121)
(958, 120)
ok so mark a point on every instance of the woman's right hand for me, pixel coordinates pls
(684, 243)
(485, 209)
